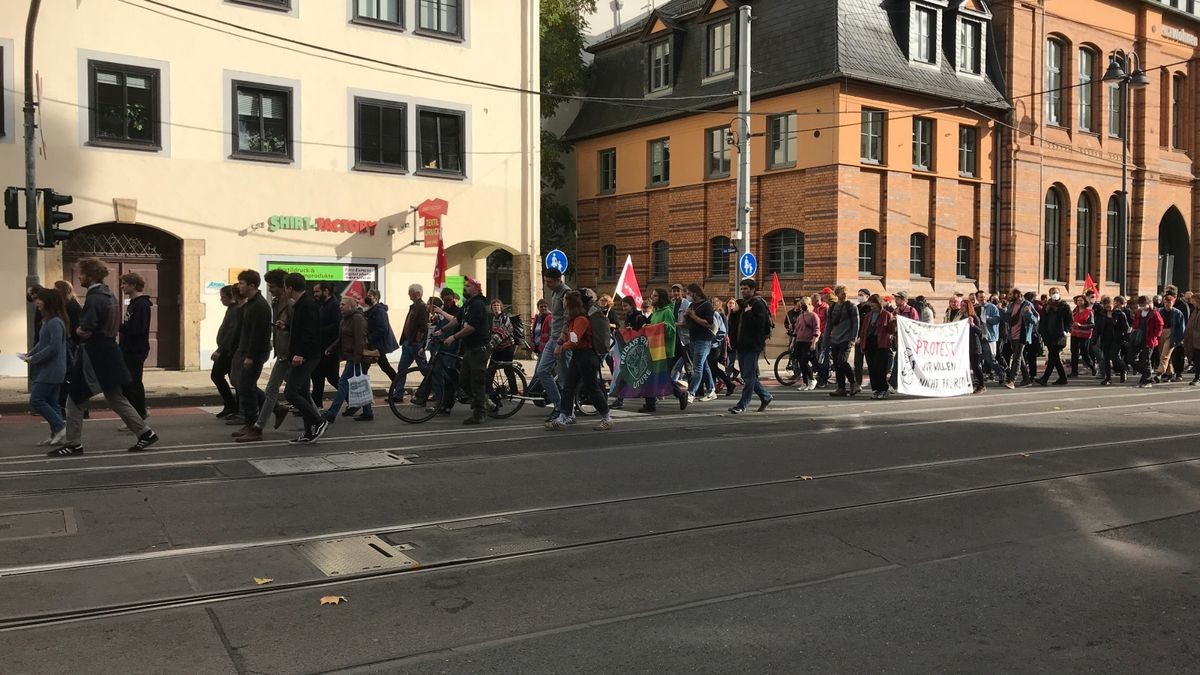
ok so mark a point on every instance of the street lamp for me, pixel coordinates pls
(1119, 72)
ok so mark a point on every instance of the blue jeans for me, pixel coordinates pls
(748, 364)
(545, 374)
(343, 389)
(410, 352)
(700, 373)
(44, 399)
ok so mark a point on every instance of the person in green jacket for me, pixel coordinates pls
(664, 313)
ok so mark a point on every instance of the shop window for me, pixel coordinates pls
(917, 245)
(962, 258)
(608, 262)
(608, 170)
(720, 48)
(718, 257)
(717, 151)
(123, 107)
(440, 17)
(785, 253)
(660, 260)
(441, 139)
(262, 122)
(660, 162)
(380, 138)
(1052, 237)
(867, 240)
(1083, 236)
(781, 131)
(388, 13)
(871, 136)
(661, 71)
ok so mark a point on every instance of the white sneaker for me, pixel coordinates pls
(59, 439)
(691, 398)
(812, 385)
(569, 420)
(605, 424)
(710, 396)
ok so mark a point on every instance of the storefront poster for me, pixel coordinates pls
(327, 271)
(933, 359)
(456, 283)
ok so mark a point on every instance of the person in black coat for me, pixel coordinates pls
(1055, 326)
(330, 323)
(254, 345)
(1112, 328)
(753, 321)
(306, 347)
(135, 338)
(380, 335)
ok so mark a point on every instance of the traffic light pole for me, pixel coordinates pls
(31, 210)
(743, 174)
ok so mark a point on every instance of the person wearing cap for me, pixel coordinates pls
(556, 290)
(472, 329)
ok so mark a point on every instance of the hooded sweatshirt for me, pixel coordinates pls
(135, 328)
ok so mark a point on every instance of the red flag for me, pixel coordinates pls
(776, 293)
(627, 284)
(439, 266)
(1089, 284)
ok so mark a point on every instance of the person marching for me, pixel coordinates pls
(876, 338)
(99, 367)
(48, 363)
(584, 366)
(842, 329)
(281, 310)
(806, 331)
(1110, 333)
(222, 358)
(380, 336)
(351, 342)
(254, 345)
(1083, 322)
(1147, 329)
(304, 344)
(753, 322)
(135, 338)
(475, 335)
(664, 313)
(700, 325)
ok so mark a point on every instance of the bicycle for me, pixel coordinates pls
(790, 370)
(415, 402)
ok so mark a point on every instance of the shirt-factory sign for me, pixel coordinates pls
(345, 225)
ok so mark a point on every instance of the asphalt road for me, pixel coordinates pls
(1043, 530)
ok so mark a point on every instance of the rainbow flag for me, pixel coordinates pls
(643, 370)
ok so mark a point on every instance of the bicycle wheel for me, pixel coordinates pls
(585, 407)
(502, 394)
(416, 387)
(785, 369)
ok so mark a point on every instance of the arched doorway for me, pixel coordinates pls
(500, 276)
(152, 253)
(1174, 251)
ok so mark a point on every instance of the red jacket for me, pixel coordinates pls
(822, 311)
(885, 331)
(1152, 325)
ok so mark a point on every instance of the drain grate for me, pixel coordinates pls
(37, 524)
(322, 463)
(353, 555)
(475, 522)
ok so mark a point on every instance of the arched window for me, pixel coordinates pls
(917, 244)
(1083, 236)
(608, 262)
(661, 262)
(785, 252)
(867, 241)
(1054, 82)
(1112, 241)
(1087, 90)
(962, 258)
(718, 257)
(1052, 239)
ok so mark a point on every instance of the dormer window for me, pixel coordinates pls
(661, 75)
(720, 48)
(970, 46)
(924, 34)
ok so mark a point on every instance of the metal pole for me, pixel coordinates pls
(743, 175)
(1124, 184)
(31, 215)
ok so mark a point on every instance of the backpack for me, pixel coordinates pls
(601, 334)
(721, 330)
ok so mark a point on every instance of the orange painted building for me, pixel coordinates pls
(873, 147)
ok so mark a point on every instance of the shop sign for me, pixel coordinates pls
(431, 211)
(276, 223)
(1180, 35)
(327, 271)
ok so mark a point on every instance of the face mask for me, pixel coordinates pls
(1055, 297)
(862, 298)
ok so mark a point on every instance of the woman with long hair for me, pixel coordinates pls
(663, 311)
(584, 367)
(976, 337)
(717, 363)
(875, 337)
(806, 329)
(49, 362)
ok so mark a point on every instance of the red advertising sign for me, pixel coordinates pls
(431, 212)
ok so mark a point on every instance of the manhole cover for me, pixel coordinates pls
(36, 524)
(322, 463)
(354, 555)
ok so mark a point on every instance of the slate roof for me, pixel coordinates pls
(797, 43)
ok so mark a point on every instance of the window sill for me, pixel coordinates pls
(605, 193)
(778, 167)
(446, 175)
(123, 145)
(920, 277)
(658, 186)
(438, 35)
(968, 175)
(265, 4)
(1058, 125)
(368, 22)
(268, 159)
(869, 277)
(969, 279)
(717, 176)
(872, 162)
(922, 169)
(1090, 132)
(717, 77)
(381, 168)
(659, 93)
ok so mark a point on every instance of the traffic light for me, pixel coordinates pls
(12, 215)
(50, 218)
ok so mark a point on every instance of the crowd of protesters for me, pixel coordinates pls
(713, 346)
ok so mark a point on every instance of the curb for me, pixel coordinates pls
(152, 401)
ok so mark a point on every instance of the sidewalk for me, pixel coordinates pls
(173, 388)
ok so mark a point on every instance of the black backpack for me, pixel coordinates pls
(601, 334)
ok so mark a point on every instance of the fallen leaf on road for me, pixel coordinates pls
(1057, 408)
(805, 477)
(333, 600)
(262, 580)
(1024, 454)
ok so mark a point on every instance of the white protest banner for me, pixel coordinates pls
(933, 358)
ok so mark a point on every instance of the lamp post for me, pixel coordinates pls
(1119, 72)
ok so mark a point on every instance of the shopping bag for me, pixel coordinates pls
(360, 389)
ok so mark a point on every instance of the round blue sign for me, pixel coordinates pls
(556, 260)
(747, 264)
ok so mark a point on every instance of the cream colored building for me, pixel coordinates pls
(196, 143)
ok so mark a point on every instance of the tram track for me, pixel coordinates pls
(64, 617)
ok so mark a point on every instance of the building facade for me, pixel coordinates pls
(213, 136)
(1073, 134)
(872, 147)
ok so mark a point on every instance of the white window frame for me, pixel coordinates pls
(1054, 81)
(920, 39)
(664, 70)
(973, 63)
(1087, 89)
